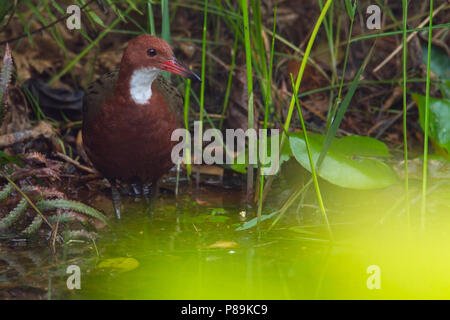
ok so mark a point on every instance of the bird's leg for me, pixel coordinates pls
(154, 192)
(136, 189)
(117, 203)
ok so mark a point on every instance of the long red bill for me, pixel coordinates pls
(174, 66)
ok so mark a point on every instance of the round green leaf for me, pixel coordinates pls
(340, 165)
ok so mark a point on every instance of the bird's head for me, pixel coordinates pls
(147, 51)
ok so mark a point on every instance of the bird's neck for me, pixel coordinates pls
(137, 84)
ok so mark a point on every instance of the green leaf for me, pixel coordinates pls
(6, 158)
(241, 168)
(439, 60)
(251, 223)
(343, 165)
(360, 146)
(132, 4)
(286, 154)
(121, 264)
(350, 8)
(439, 65)
(439, 119)
(96, 18)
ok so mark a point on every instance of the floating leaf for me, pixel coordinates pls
(120, 264)
(223, 245)
(251, 223)
(343, 165)
(439, 119)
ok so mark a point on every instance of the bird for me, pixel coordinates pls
(130, 114)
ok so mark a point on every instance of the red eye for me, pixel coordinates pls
(151, 52)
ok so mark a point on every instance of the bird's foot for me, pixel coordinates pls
(137, 189)
(117, 203)
(145, 190)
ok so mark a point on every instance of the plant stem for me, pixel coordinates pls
(427, 124)
(250, 114)
(405, 138)
(311, 163)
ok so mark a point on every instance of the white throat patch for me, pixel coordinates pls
(141, 84)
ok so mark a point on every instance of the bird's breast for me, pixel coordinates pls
(132, 141)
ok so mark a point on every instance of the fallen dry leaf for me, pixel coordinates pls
(223, 245)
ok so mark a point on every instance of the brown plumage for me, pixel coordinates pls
(126, 140)
(126, 136)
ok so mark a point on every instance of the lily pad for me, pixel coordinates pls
(344, 165)
(120, 264)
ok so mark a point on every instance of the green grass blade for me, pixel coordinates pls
(151, 20)
(187, 95)
(302, 68)
(405, 138)
(250, 111)
(341, 111)
(311, 162)
(229, 81)
(427, 125)
(165, 28)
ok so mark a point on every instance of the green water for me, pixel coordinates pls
(188, 248)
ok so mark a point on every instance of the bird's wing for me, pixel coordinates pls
(96, 94)
(173, 96)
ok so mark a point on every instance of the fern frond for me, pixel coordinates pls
(61, 218)
(45, 205)
(7, 189)
(34, 226)
(68, 217)
(44, 192)
(15, 214)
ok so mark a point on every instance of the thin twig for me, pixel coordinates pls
(75, 163)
